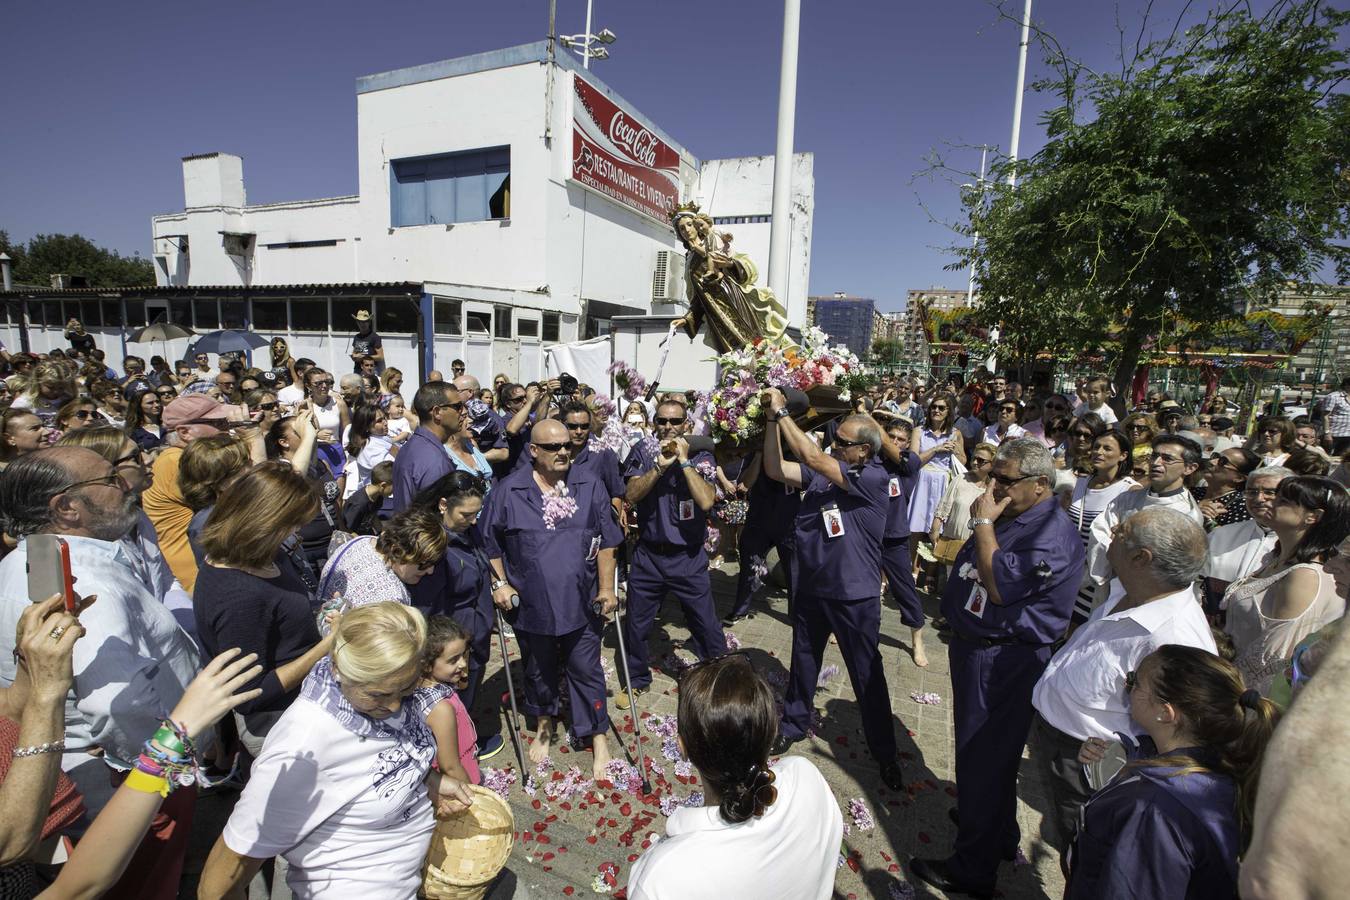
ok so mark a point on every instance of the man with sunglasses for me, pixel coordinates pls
(184, 420)
(1174, 460)
(558, 559)
(489, 428)
(673, 492)
(1008, 601)
(1157, 556)
(134, 661)
(837, 577)
(424, 457)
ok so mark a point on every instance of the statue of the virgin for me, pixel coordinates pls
(721, 288)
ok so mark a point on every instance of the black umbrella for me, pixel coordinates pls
(160, 331)
(230, 340)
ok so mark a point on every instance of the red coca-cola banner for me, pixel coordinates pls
(614, 153)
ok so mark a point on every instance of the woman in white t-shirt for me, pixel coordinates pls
(343, 789)
(763, 831)
(1111, 458)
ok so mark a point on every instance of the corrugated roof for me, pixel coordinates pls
(158, 290)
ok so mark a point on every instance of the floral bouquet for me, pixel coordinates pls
(629, 380)
(828, 375)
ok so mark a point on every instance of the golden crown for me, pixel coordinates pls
(685, 209)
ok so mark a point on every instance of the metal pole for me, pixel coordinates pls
(970, 288)
(780, 234)
(511, 692)
(586, 56)
(1017, 100)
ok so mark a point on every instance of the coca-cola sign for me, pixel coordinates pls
(614, 153)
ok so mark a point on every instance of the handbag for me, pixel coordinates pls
(946, 549)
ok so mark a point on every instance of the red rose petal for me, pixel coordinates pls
(536, 804)
(544, 839)
(539, 826)
(568, 890)
(591, 839)
(626, 809)
(547, 856)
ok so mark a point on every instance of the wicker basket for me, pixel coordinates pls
(468, 850)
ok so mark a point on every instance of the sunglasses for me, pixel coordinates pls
(577, 426)
(1219, 460)
(1009, 482)
(659, 420)
(844, 443)
(551, 447)
(266, 407)
(520, 399)
(457, 407)
(82, 414)
(327, 382)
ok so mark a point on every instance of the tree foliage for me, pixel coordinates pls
(1209, 172)
(71, 254)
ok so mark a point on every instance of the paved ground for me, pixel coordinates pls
(565, 844)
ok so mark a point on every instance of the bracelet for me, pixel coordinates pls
(39, 749)
(168, 740)
(686, 465)
(975, 523)
(148, 784)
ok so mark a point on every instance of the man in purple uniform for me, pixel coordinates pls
(550, 536)
(837, 571)
(1008, 601)
(673, 494)
(423, 458)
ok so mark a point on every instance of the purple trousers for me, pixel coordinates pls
(656, 571)
(895, 563)
(579, 653)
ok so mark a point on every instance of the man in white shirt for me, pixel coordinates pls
(134, 662)
(1172, 463)
(293, 394)
(1236, 551)
(1157, 554)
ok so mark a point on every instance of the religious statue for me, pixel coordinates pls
(721, 288)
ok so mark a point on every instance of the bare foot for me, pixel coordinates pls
(916, 640)
(600, 750)
(543, 740)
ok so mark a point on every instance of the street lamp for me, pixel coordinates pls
(580, 44)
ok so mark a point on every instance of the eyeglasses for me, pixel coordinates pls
(551, 447)
(133, 457)
(1164, 458)
(520, 399)
(1257, 493)
(577, 426)
(1009, 482)
(845, 443)
(1220, 460)
(325, 382)
(459, 369)
(82, 414)
(938, 407)
(1082, 435)
(659, 420)
(1271, 431)
(113, 480)
(980, 462)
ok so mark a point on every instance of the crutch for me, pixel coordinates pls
(511, 689)
(660, 366)
(632, 701)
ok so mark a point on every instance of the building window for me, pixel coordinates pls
(396, 316)
(502, 323)
(453, 187)
(476, 321)
(50, 314)
(551, 327)
(269, 315)
(528, 328)
(344, 313)
(232, 313)
(207, 314)
(180, 312)
(310, 314)
(91, 315)
(447, 315)
(135, 313)
(112, 312)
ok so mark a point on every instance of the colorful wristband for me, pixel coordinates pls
(147, 783)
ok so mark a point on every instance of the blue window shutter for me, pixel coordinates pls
(441, 189)
(470, 184)
(409, 193)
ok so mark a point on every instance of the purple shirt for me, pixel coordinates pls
(489, 428)
(899, 486)
(669, 513)
(553, 569)
(1037, 568)
(421, 461)
(845, 565)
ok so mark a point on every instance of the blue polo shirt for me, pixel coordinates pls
(421, 461)
(846, 566)
(659, 513)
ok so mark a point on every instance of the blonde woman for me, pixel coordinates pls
(50, 387)
(344, 789)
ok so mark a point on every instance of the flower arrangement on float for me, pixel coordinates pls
(734, 406)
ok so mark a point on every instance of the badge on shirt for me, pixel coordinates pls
(894, 488)
(834, 521)
(595, 549)
(977, 601)
(686, 510)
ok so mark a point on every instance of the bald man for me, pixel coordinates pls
(489, 429)
(550, 536)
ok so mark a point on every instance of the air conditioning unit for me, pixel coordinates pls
(237, 243)
(668, 277)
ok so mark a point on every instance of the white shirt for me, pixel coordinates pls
(290, 395)
(134, 661)
(789, 853)
(1014, 431)
(1107, 414)
(1236, 551)
(1121, 508)
(1082, 690)
(311, 798)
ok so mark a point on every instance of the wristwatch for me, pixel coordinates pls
(781, 413)
(975, 523)
(497, 585)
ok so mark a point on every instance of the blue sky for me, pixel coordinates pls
(102, 100)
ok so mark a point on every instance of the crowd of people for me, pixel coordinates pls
(288, 583)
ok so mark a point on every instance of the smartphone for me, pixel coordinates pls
(49, 569)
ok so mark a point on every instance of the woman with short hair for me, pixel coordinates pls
(1224, 503)
(78, 413)
(1175, 821)
(344, 789)
(1274, 439)
(763, 830)
(373, 568)
(21, 433)
(242, 598)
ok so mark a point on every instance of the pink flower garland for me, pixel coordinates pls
(558, 506)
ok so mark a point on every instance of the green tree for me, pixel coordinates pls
(72, 254)
(1210, 172)
(886, 352)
